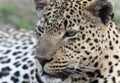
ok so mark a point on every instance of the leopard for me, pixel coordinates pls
(77, 41)
(17, 55)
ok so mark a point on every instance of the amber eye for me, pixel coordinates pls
(40, 29)
(40, 25)
(70, 33)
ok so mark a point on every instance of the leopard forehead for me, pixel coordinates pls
(67, 14)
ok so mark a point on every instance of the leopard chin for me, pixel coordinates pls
(50, 79)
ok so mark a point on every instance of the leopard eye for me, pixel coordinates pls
(70, 33)
(40, 25)
(40, 29)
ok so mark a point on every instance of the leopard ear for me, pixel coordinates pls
(102, 9)
(40, 5)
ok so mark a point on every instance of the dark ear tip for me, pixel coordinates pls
(106, 12)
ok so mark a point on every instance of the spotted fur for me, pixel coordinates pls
(17, 57)
(77, 42)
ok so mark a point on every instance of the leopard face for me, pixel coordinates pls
(71, 36)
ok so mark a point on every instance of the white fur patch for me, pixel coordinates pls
(47, 79)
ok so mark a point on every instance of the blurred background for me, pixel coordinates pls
(22, 14)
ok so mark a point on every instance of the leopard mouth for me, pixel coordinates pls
(50, 71)
(55, 78)
(62, 75)
(46, 78)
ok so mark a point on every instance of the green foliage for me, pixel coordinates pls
(12, 14)
(16, 16)
(117, 20)
(19, 23)
(7, 9)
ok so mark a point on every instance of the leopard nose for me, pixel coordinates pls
(43, 61)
